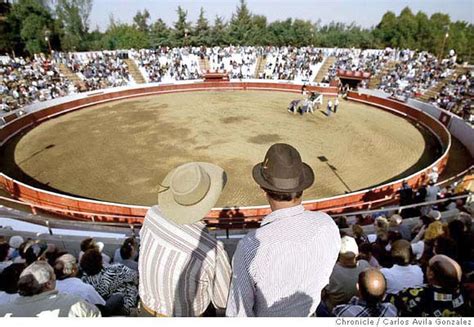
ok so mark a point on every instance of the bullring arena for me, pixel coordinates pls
(107, 159)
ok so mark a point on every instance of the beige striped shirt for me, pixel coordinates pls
(182, 268)
(280, 268)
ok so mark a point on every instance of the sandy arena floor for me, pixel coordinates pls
(120, 151)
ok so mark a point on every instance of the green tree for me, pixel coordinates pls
(461, 38)
(202, 31)
(439, 25)
(29, 23)
(240, 25)
(422, 34)
(406, 29)
(279, 32)
(73, 16)
(258, 34)
(218, 35)
(159, 34)
(386, 30)
(124, 36)
(140, 21)
(303, 32)
(182, 29)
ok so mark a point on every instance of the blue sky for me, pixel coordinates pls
(363, 12)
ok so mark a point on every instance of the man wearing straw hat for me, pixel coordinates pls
(280, 268)
(182, 268)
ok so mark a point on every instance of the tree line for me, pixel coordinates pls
(33, 26)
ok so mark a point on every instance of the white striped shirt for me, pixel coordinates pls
(281, 268)
(182, 268)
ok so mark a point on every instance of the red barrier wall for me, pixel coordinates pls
(78, 208)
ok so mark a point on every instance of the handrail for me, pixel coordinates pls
(59, 223)
(224, 219)
(400, 208)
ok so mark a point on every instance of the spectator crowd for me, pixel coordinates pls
(26, 81)
(403, 73)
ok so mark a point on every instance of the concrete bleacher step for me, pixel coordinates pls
(261, 62)
(135, 71)
(70, 75)
(325, 68)
(204, 64)
(377, 78)
(435, 89)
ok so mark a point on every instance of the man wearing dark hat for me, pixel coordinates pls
(281, 268)
(182, 268)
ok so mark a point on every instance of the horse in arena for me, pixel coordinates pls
(303, 106)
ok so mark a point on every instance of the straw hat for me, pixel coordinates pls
(190, 191)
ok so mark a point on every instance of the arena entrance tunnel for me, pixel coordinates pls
(73, 207)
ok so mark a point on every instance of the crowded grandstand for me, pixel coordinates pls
(413, 256)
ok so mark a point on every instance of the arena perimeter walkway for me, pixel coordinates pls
(121, 150)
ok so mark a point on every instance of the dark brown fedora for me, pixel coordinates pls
(282, 170)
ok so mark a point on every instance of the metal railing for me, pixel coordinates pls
(51, 222)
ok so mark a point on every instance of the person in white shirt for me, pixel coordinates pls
(402, 275)
(329, 108)
(65, 268)
(434, 175)
(336, 104)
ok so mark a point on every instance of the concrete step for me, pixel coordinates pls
(377, 78)
(325, 68)
(135, 71)
(204, 65)
(261, 62)
(70, 75)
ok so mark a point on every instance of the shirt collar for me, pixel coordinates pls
(282, 213)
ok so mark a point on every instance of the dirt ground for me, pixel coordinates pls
(121, 150)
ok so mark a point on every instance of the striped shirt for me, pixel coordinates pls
(358, 308)
(182, 268)
(280, 268)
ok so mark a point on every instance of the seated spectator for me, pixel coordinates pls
(90, 243)
(381, 224)
(359, 235)
(127, 254)
(67, 282)
(15, 242)
(38, 298)
(463, 237)
(422, 244)
(365, 253)
(442, 297)
(371, 288)
(364, 221)
(4, 262)
(30, 251)
(402, 274)
(396, 224)
(447, 246)
(343, 280)
(9, 283)
(341, 222)
(380, 248)
(109, 280)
